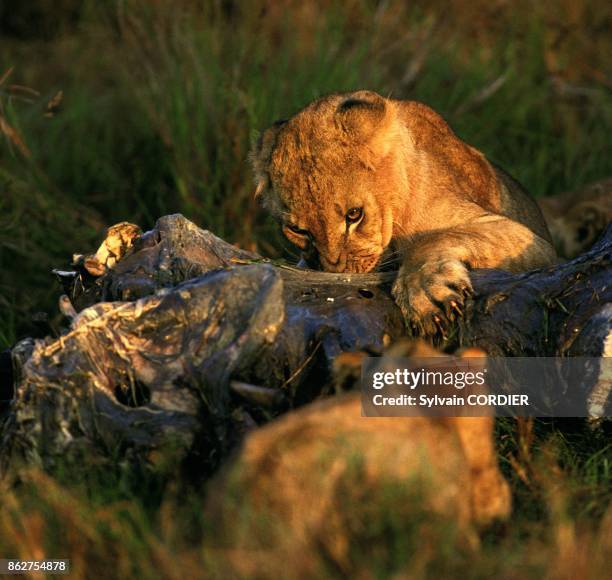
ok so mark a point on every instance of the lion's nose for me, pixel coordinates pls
(333, 262)
(333, 265)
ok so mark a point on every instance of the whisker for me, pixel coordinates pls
(392, 253)
(390, 257)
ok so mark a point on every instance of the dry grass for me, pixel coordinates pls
(161, 100)
(122, 523)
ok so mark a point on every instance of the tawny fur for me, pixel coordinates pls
(303, 487)
(578, 218)
(423, 192)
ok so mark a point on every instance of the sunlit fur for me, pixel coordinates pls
(398, 160)
(314, 175)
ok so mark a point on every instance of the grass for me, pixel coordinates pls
(161, 101)
(121, 521)
(159, 109)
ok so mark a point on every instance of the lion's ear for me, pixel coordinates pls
(478, 358)
(367, 118)
(260, 155)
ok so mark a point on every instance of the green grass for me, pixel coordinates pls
(161, 103)
(125, 520)
(159, 112)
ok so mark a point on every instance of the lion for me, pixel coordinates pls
(577, 219)
(357, 180)
(314, 484)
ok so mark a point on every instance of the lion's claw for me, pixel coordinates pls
(454, 309)
(432, 295)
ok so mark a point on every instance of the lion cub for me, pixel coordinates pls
(317, 482)
(356, 178)
(576, 219)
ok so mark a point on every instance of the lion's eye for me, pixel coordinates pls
(296, 230)
(354, 214)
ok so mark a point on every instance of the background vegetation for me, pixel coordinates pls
(130, 109)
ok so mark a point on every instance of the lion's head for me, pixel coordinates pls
(576, 219)
(330, 175)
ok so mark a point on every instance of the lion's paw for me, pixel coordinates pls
(433, 294)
